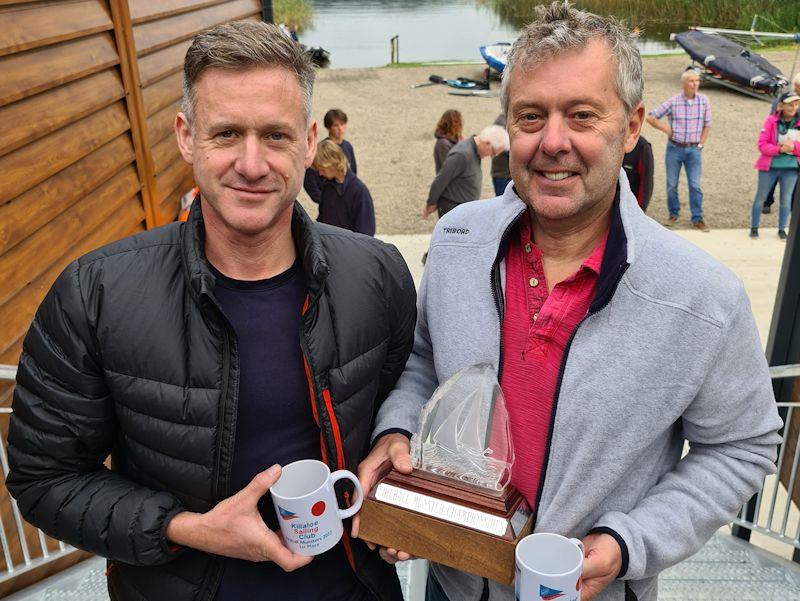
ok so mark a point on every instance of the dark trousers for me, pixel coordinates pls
(445, 206)
(500, 184)
(433, 590)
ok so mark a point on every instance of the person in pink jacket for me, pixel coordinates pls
(779, 145)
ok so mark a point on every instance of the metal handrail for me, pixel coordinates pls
(8, 372)
(778, 372)
(775, 524)
(779, 509)
(29, 562)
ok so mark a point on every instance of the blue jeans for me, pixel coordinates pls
(766, 180)
(691, 158)
(500, 184)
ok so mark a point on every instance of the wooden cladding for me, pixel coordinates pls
(162, 63)
(89, 90)
(35, 117)
(37, 161)
(155, 35)
(36, 71)
(33, 25)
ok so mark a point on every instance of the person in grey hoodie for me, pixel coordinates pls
(615, 340)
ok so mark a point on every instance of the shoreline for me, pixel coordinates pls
(391, 128)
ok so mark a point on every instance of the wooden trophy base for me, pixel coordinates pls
(447, 521)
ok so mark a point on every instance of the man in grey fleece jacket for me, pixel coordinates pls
(667, 350)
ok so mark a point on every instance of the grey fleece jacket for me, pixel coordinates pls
(668, 352)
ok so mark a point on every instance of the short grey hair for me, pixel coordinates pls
(688, 73)
(242, 45)
(496, 136)
(559, 28)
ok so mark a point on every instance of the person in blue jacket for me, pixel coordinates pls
(344, 200)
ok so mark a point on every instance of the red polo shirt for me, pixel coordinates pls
(536, 328)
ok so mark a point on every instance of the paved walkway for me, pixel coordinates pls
(726, 569)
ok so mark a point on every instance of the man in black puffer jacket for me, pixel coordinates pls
(202, 353)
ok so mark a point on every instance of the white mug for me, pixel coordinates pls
(308, 512)
(548, 568)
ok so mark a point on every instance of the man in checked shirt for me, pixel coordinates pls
(689, 116)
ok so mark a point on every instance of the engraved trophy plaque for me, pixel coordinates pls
(457, 507)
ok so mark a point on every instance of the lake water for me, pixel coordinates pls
(357, 32)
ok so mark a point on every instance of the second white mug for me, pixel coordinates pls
(548, 568)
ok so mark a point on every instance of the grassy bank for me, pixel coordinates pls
(296, 14)
(661, 14)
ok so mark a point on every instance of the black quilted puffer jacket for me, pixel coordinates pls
(130, 354)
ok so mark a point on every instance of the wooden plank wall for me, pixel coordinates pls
(69, 179)
(89, 90)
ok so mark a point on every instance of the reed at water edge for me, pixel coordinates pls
(656, 14)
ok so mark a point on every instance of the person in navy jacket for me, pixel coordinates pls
(344, 199)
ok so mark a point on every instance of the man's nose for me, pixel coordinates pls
(252, 163)
(555, 136)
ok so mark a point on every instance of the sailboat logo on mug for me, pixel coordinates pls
(548, 594)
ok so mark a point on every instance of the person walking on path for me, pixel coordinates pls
(779, 145)
(689, 120)
(460, 178)
(501, 174)
(449, 132)
(345, 201)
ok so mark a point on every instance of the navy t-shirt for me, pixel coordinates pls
(275, 424)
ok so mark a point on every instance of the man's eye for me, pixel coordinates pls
(276, 136)
(583, 115)
(530, 117)
(228, 133)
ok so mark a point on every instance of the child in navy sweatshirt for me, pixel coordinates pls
(335, 121)
(344, 199)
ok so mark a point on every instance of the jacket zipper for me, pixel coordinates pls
(312, 393)
(557, 392)
(499, 304)
(497, 293)
(338, 449)
(226, 367)
(340, 464)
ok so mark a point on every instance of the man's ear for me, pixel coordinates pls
(634, 127)
(183, 133)
(311, 144)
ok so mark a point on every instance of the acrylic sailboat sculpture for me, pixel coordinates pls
(458, 447)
